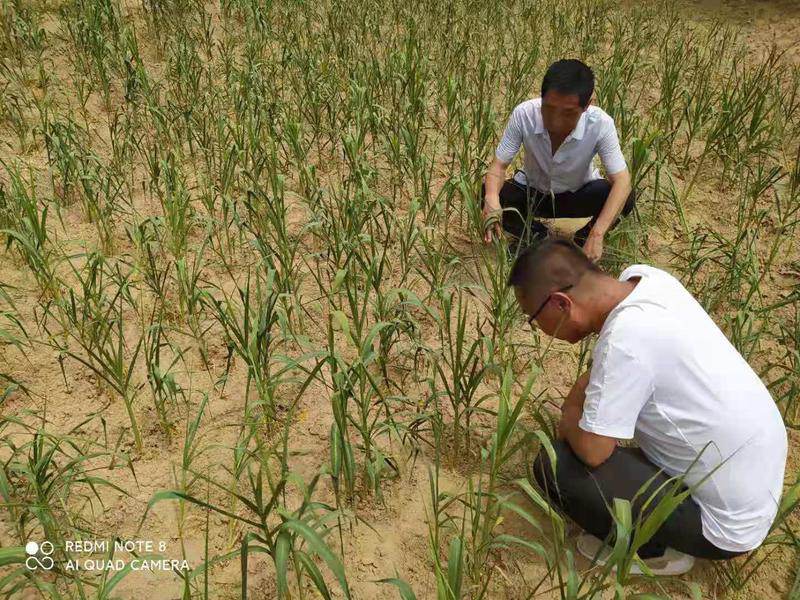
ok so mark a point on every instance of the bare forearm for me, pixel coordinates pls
(570, 416)
(620, 189)
(590, 448)
(494, 180)
(593, 450)
(572, 408)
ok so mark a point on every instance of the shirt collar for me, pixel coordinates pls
(538, 128)
(580, 128)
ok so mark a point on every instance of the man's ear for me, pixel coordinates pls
(562, 302)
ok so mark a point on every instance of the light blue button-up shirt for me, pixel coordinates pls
(572, 165)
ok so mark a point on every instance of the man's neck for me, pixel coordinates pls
(556, 141)
(614, 293)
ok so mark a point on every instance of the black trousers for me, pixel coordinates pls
(530, 203)
(584, 494)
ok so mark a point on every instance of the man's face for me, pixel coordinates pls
(557, 318)
(560, 112)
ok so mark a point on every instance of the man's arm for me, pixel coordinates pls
(506, 150)
(610, 153)
(591, 448)
(493, 182)
(620, 189)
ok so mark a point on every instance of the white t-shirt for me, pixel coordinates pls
(571, 167)
(664, 374)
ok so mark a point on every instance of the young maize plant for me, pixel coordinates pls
(95, 320)
(84, 176)
(291, 537)
(459, 368)
(266, 221)
(164, 387)
(249, 326)
(486, 501)
(41, 475)
(449, 576)
(94, 30)
(25, 228)
(190, 298)
(363, 415)
(12, 333)
(273, 206)
(61, 143)
(170, 185)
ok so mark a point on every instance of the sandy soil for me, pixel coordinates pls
(764, 22)
(391, 537)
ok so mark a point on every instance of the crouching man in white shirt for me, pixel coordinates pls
(561, 133)
(666, 376)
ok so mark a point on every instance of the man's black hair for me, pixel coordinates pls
(550, 265)
(570, 76)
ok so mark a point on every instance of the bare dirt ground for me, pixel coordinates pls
(764, 22)
(392, 539)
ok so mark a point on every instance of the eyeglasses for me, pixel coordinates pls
(546, 300)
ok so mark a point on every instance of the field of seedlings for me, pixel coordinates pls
(247, 321)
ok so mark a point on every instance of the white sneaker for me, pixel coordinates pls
(671, 563)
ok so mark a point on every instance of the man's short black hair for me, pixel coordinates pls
(570, 76)
(551, 265)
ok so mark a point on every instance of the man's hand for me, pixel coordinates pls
(593, 247)
(620, 189)
(492, 211)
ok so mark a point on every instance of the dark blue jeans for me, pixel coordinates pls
(584, 494)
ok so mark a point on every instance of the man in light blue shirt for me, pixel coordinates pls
(561, 133)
